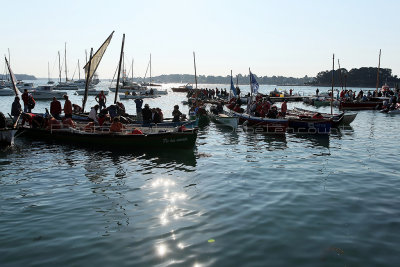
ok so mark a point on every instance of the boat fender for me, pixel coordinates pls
(136, 131)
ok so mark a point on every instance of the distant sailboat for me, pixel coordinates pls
(48, 74)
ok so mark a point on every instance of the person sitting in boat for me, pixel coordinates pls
(101, 99)
(151, 91)
(155, 116)
(53, 124)
(16, 109)
(76, 108)
(93, 114)
(55, 108)
(116, 126)
(176, 114)
(159, 111)
(146, 114)
(121, 109)
(273, 112)
(317, 116)
(68, 123)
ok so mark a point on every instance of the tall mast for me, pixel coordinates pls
(87, 81)
(377, 73)
(79, 70)
(340, 74)
(132, 69)
(150, 70)
(333, 77)
(48, 70)
(59, 65)
(65, 59)
(251, 91)
(119, 68)
(230, 90)
(86, 55)
(195, 72)
(9, 61)
(237, 80)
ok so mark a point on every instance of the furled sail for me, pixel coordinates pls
(13, 79)
(95, 60)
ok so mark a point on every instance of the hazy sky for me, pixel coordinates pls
(289, 38)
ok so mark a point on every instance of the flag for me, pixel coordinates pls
(233, 88)
(254, 84)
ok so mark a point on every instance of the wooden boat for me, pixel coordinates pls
(299, 124)
(337, 119)
(182, 89)
(7, 136)
(268, 125)
(138, 96)
(101, 137)
(366, 105)
(224, 118)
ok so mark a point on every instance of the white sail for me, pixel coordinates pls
(95, 60)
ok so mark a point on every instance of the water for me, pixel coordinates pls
(236, 199)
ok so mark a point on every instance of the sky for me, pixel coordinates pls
(288, 38)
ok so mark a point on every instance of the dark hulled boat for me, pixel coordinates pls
(268, 125)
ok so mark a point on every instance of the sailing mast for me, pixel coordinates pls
(87, 81)
(340, 74)
(79, 70)
(59, 65)
(66, 72)
(48, 71)
(377, 73)
(333, 78)
(12, 77)
(132, 69)
(150, 70)
(195, 73)
(119, 68)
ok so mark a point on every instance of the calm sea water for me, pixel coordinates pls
(236, 199)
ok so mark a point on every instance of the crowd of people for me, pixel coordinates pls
(210, 93)
(113, 116)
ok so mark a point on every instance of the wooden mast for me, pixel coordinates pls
(230, 90)
(195, 71)
(251, 91)
(87, 81)
(340, 74)
(59, 66)
(377, 73)
(132, 69)
(16, 91)
(150, 70)
(65, 59)
(119, 68)
(333, 81)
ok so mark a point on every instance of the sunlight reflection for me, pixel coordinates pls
(180, 245)
(161, 250)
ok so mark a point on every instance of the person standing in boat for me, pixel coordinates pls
(16, 109)
(139, 103)
(31, 103)
(101, 99)
(67, 107)
(317, 92)
(25, 97)
(55, 108)
(160, 114)
(284, 108)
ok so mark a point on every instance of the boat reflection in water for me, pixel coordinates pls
(315, 140)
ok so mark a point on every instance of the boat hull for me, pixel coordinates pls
(268, 125)
(225, 120)
(182, 140)
(310, 126)
(368, 105)
(7, 136)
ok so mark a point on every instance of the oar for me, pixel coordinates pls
(16, 123)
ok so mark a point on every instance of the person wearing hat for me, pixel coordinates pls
(284, 108)
(176, 114)
(146, 114)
